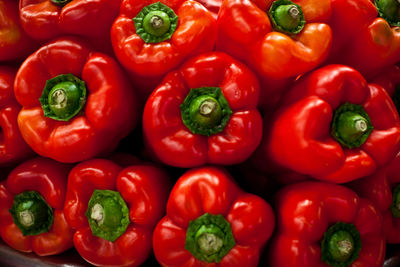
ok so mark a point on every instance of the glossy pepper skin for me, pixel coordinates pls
(382, 188)
(370, 48)
(389, 79)
(107, 116)
(49, 179)
(245, 31)
(148, 62)
(306, 210)
(14, 42)
(47, 19)
(168, 135)
(211, 190)
(12, 146)
(303, 133)
(145, 190)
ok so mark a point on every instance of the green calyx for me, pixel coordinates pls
(156, 23)
(31, 213)
(286, 17)
(351, 125)
(107, 214)
(63, 97)
(209, 238)
(389, 10)
(395, 207)
(205, 111)
(340, 245)
(60, 3)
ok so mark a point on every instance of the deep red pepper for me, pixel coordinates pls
(149, 50)
(14, 42)
(12, 146)
(372, 47)
(333, 126)
(383, 189)
(91, 19)
(210, 221)
(35, 192)
(114, 210)
(204, 112)
(59, 118)
(322, 224)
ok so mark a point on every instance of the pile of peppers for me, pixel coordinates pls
(185, 133)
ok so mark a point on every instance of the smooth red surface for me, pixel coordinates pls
(174, 144)
(14, 42)
(145, 190)
(306, 210)
(212, 190)
(299, 134)
(109, 114)
(12, 146)
(49, 178)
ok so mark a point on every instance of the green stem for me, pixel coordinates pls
(351, 125)
(60, 3)
(389, 10)
(107, 214)
(31, 213)
(156, 23)
(205, 111)
(286, 17)
(63, 97)
(340, 245)
(209, 238)
(395, 207)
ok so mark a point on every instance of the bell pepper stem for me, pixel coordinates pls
(395, 206)
(209, 238)
(205, 111)
(155, 23)
(389, 10)
(351, 125)
(286, 17)
(107, 214)
(63, 97)
(340, 245)
(31, 213)
(60, 3)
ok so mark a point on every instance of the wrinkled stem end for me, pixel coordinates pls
(286, 17)
(340, 245)
(31, 213)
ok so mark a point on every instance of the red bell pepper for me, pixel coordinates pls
(31, 208)
(278, 39)
(91, 19)
(333, 126)
(383, 189)
(204, 112)
(322, 224)
(14, 42)
(77, 103)
(151, 39)
(371, 48)
(114, 210)
(12, 146)
(210, 221)
(389, 79)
